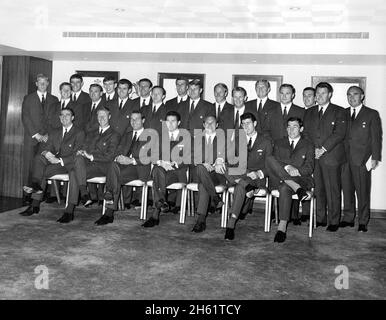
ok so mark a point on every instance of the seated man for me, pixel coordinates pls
(207, 177)
(91, 161)
(127, 166)
(167, 170)
(258, 148)
(290, 167)
(57, 158)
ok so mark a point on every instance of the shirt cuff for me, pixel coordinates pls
(261, 173)
(324, 149)
(61, 162)
(33, 137)
(92, 158)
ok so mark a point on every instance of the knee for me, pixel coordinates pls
(284, 189)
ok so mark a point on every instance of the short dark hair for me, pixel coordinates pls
(223, 85)
(109, 78)
(138, 112)
(183, 79)
(265, 81)
(68, 109)
(96, 85)
(292, 119)
(325, 85)
(309, 89)
(174, 114)
(159, 87)
(248, 115)
(241, 89)
(76, 76)
(42, 76)
(288, 85)
(356, 87)
(104, 108)
(64, 84)
(127, 82)
(196, 82)
(147, 80)
(210, 116)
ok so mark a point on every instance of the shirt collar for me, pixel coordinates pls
(175, 134)
(254, 136)
(147, 100)
(295, 140)
(96, 103)
(241, 110)
(222, 104)
(324, 106)
(212, 135)
(68, 129)
(66, 101)
(263, 101)
(157, 106)
(124, 100)
(286, 105)
(104, 129)
(139, 132)
(184, 98)
(195, 101)
(41, 93)
(110, 95)
(357, 109)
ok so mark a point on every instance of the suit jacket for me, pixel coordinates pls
(209, 151)
(81, 108)
(275, 125)
(201, 110)
(115, 98)
(252, 107)
(35, 117)
(65, 147)
(90, 119)
(102, 147)
(364, 136)
(302, 157)
(223, 114)
(182, 108)
(120, 119)
(137, 102)
(181, 148)
(154, 120)
(328, 132)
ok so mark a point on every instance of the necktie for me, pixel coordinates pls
(191, 107)
(292, 145)
(63, 104)
(353, 116)
(93, 108)
(260, 107)
(100, 132)
(153, 109)
(74, 97)
(249, 146)
(65, 133)
(43, 100)
(108, 98)
(285, 112)
(237, 120)
(132, 143)
(172, 137)
(120, 105)
(218, 110)
(320, 113)
(143, 103)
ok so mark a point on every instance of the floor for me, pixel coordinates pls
(125, 261)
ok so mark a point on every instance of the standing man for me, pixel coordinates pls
(144, 90)
(35, 112)
(291, 166)
(363, 144)
(80, 99)
(325, 126)
(89, 116)
(92, 160)
(57, 157)
(110, 85)
(180, 103)
(127, 166)
(156, 112)
(309, 97)
(221, 104)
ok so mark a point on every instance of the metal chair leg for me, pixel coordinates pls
(311, 218)
(68, 193)
(183, 205)
(56, 190)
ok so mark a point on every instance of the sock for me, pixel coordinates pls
(282, 226)
(156, 214)
(232, 221)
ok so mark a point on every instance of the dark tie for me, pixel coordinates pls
(100, 132)
(63, 104)
(218, 111)
(108, 98)
(285, 112)
(191, 107)
(237, 120)
(65, 133)
(93, 108)
(320, 113)
(260, 107)
(153, 109)
(172, 137)
(132, 143)
(74, 97)
(143, 103)
(353, 116)
(249, 146)
(43, 100)
(120, 105)
(292, 145)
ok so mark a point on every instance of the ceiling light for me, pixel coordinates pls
(119, 9)
(294, 8)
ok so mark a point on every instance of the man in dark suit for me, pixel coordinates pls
(57, 157)
(277, 114)
(221, 104)
(156, 112)
(212, 152)
(89, 114)
(36, 110)
(127, 166)
(110, 85)
(121, 108)
(180, 103)
(291, 167)
(144, 91)
(79, 98)
(260, 106)
(363, 145)
(325, 126)
(171, 166)
(92, 160)
(252, 170)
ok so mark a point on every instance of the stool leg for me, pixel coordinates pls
(224, 217)
(146, 190)
(314, 213)
(104, 207)
(68, 193)
(311, 218)
(223, 209)
(183, 205)
(266, 212)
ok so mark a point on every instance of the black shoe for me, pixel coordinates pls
(127, 206)
(151, 222)
(199, 227)
(108, 196)
(51, 200)
(229, 234)
(304, 218)
(66, 217)
(27, 201)
(333, 227)
(297, 222)
(362, 228)
(344, 224)
(36, 188)
(136, 203)
(105, 219)
(175, 210)
(242, 215)
(321, 224)
(30, 211)
(85, 199)
(302, 194)
(280, 236)
(89, 203)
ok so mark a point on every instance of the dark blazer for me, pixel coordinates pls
(252, 106)
(184, 152)
(35, 117)
(215, 150)
(103, 147)
(201, 110)
(364, 136)
(258, 153)
(115, 97)
(137, 102)
(81, 108)
(302, 158)
(223, 114)
(154, 120)
(275, 125)
(82, 98)
(120, 119)
(328, 132)
(65, 148)
(53, 116)
(90, 119)
(182, 108)
(228, 118)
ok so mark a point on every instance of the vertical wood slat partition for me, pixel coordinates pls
(17, 75)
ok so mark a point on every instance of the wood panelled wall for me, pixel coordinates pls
(18, 79)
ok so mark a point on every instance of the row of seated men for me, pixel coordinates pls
(330, 133)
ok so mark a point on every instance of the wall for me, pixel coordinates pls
(298, 75)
